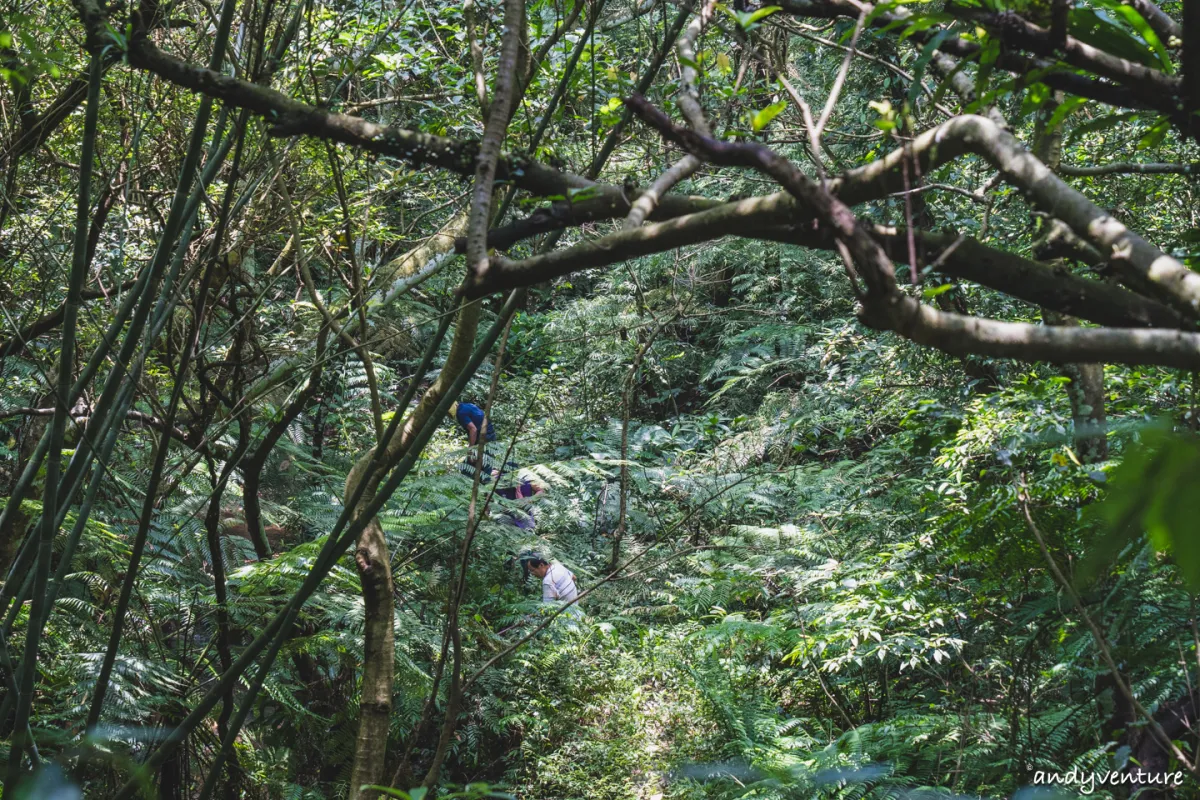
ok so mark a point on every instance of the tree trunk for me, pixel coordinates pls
(170, 776)
(723, 290)
(374, 569)
(1086, 393)
(212, 529)
(984, 377)
(1086, 387)
(375, 702)
(13, 532)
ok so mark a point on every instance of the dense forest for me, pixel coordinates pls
(599, 399)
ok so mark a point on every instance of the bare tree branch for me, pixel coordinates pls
(1015, 31)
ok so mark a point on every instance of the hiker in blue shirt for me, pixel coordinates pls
(470, 418)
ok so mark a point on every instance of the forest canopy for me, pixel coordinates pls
(599, 399)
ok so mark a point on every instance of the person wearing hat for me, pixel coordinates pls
(558, 586)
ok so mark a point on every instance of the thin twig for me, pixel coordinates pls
(840, 81)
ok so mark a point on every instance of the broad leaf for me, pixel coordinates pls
(763, 117)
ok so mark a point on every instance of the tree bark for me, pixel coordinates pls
(375, 703)
(252, 464)
(212, 530)
(12, 533)
(1086, 392)
(1191, 58)
(1085, 388)
(373, 564)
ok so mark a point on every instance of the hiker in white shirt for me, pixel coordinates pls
(558, 584)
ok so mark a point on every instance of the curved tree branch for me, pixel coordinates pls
(290, 117)
(886, 307)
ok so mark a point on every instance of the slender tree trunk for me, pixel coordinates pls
(375, 703)
(1190, 53)
(252, 465)
(723, 290)
(1085, 389)
(626, 408)
(15, 523)
(499, 115)
(623, 486)
(212, 529)
(374, 570)
(983, 375)
(454, 696)
(170, 777)
(404, 772)
(39, 610)
(453, 707)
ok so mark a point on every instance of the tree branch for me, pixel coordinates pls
(21, 339)
(1013, 30)
(1190, 34)
(1009, 61)
(290, 117)
(1166, 28)
(885, 307)
(1128, 167)
(775, 218)
(1156, 729)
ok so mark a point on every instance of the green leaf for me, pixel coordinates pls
(584, 193)
(749, 18)
(1155, 491)
(1139, 24)
(934, 291)
(927, 52)
(763, 118)
(987, 61)
(1065, 108)
(923, 22)
(887, 115)
(1099, 124)
(1154, 137)
(1101, 32)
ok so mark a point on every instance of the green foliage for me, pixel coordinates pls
(835, 591)
(1154, 491)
